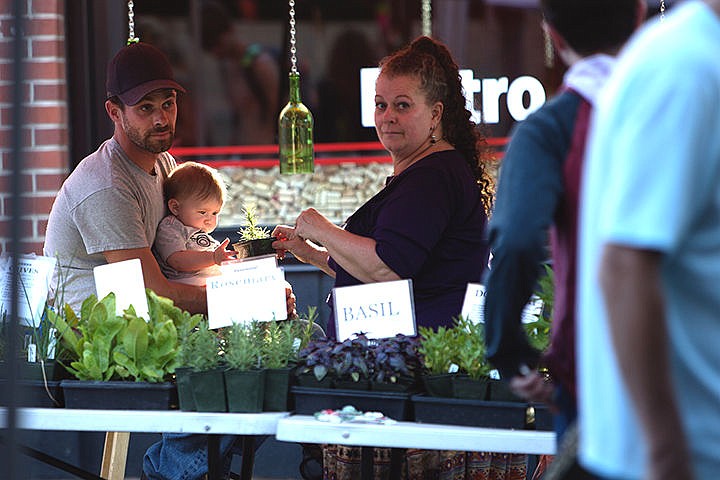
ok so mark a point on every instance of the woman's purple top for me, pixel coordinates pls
(429, 226)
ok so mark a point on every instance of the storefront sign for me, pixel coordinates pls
(523, 96)
(379, 310)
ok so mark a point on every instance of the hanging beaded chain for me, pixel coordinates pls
(293, 50)
(549, 51)
(662, 10)
(131, 24)
(427, 18)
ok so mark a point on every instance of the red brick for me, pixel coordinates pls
(31, 246)
(47, 6)
(26, 228)
(44, 26)
(7, 92)
(48, 48)
(7, 49)
(41, 226)
(40, 205)
(6, 137)
(50, 136)
(52, 70)
(49, 182)
(25, 183)
(56, 91)
(45, 159)
(51, 115)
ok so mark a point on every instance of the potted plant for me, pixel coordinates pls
(207, 378)
(352, 362)
(437, 353)
(471, 381)
(254, 239)
(126, 355)
(244, 377)
(281, 343)
(396, 364)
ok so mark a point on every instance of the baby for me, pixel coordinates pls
(185, 251)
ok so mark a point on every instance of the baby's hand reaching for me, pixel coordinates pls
(221, 253)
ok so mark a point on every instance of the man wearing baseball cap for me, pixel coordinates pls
(109, 208)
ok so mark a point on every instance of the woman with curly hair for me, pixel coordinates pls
(428, 222)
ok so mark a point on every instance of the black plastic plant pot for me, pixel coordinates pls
(119, 395)
(184, 389)
(254, 248)
(439, 385)
(499, 391)
(245, 390)
(277, 390)
(466, 387)
(34, 393)
(209, 390)
(308, 379)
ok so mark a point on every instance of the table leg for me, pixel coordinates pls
(396, 462)
(115, 455)
(366, 463)
(248, 457)
(213, 457)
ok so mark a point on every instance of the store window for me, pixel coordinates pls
(232, 55)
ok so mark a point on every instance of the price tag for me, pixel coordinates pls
(380, 310)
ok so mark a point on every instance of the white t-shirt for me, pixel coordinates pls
(652, 181)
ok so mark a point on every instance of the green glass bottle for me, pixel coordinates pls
(295, 127)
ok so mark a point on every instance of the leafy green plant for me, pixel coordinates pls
(352, 359)
(395, 359)
(538, 331)
(470, 348)
(251, 230)
(437, 349)
(243, 346)
(106, 346)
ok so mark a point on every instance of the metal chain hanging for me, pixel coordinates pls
(293, 50)
(131, 24)
(662, 10)
(427, 18)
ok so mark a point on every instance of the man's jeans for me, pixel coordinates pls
(183, 456)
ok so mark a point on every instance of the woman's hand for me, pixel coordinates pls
(289, 241)
(534, 387)
(290, 301)
(311, 225)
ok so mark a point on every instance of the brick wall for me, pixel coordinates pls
(44, 130)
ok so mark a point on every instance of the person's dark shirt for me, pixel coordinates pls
(429, 225)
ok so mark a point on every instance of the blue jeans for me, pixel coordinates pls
(183, 456)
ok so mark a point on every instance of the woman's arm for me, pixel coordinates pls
(355, 253)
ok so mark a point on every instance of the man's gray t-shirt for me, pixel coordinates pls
(107, 203)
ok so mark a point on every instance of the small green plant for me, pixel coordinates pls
(538, 331)
(244, 346)
(202, 348)
(251, 230)
(437, 349)
(470, 348)
(280, 344)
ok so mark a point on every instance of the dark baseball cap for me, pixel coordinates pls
(137, 70)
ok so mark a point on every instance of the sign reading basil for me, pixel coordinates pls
(380, 310)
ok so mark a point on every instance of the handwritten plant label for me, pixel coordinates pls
(34, 276)
(474, 305)
(125, 279)
(246, 291)
(379, 310)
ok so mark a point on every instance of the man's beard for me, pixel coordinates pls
(152, 145)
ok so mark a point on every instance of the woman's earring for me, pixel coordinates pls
(433, 137)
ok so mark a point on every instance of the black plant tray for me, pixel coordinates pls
(119, 395)
(309, 400)
(32, 393)
(479, 413)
